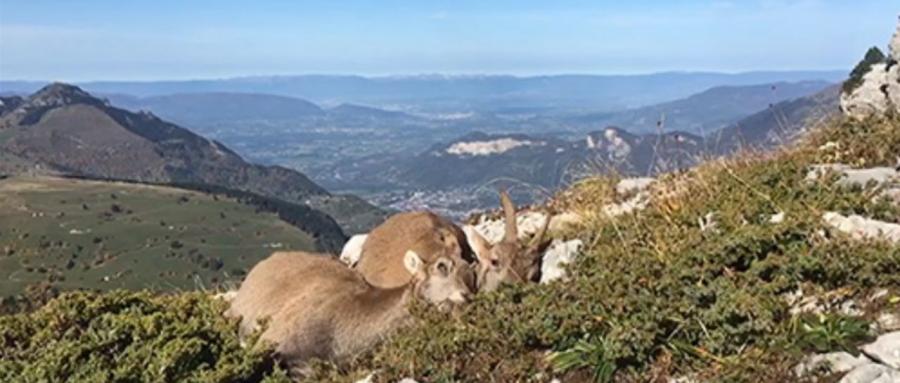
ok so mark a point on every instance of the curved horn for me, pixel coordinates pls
(512, 232)
(539, 236)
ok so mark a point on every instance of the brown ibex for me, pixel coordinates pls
(507, 260)
(316, 307)
(424, 232)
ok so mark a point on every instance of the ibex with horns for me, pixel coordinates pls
(507, 261)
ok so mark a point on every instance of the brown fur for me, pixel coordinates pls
(426, 233)
(318, 308)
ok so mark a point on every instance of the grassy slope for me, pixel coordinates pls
(68, 232)
(654, 296)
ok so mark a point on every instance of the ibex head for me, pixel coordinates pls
(508, 260)
(440, 281)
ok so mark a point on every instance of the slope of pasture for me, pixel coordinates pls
(102, 235)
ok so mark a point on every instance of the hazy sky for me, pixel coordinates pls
(178, 39)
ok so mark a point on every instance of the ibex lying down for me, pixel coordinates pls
(381, 259)
(318, 308)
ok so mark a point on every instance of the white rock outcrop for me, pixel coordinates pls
(879, 176)
(885, 350)
(834, 362)
(872, 373)
(634, 185)
(528, 222)
(879, 91)
(487, 148)
(558, 255)
(860, 227)
(353, 249)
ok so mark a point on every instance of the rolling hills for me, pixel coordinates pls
(78, 234)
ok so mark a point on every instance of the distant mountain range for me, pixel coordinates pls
(459, 172)
(218, 106)
(63, 130)
(778, 124)
(707, 111)
(456, 93)
(387, 154)
(480, 159)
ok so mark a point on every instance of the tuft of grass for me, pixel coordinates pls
(871, 142)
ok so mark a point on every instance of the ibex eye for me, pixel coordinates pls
(495, 262)
(442, 268)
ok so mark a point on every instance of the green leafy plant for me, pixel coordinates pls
(586, 354)
(830, 332)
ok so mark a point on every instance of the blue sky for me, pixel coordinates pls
(180, 39)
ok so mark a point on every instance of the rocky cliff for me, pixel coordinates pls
(874, 85)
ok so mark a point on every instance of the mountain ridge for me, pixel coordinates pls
(488, 91)
(65, 129)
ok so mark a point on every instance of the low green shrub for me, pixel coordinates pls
(130, 337)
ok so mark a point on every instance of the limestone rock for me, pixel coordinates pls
(895, 43)
(353, 249)
(879, 176)
(879, 90)
(885, 349)
(834, 362)
(872, 373)
(559, 254)
(633, 185)
(863, 228)
(878, 93)
(528, 223)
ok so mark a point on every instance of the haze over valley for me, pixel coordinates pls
(407, 143)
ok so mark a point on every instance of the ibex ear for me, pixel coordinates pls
(477, 243)
(413, 263)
